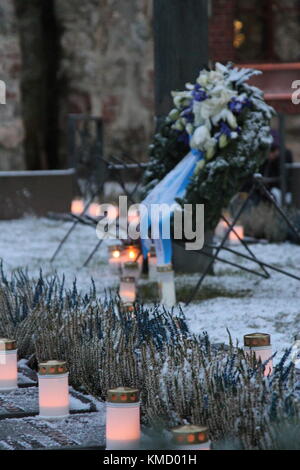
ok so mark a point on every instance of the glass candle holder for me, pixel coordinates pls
(260, 345)
(53, 389)
(131, 269)
(167, 285)
(115, 259)
(8, 365)
(238, 235)
(123, 419)
(191, 438)
(127, 291)
(152, 264)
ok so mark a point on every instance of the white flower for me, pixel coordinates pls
(223, 142)
(199, 166)
(200, 136)
(174, 114)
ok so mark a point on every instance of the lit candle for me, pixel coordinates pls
(260, 345)
(115, 258)
(77, 206)
(94, 210)
(123, 419)
(53, 389)
(191, 437)
(130, 253)
(166, 285)
(127, 290)
(131, 269)
(8, 365)
(239, 232)
(152, 264)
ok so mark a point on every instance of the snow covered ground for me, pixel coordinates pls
(246, 303)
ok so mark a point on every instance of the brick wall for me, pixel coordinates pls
(221, 30)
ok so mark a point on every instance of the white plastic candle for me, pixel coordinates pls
(122, 419)
(115, 259)
(131, 269)
(127, 291)
(53, 389)
(152, 264)
(167, 285)
(8, 365)
(260, 345)
(237, 235)
(191, 437)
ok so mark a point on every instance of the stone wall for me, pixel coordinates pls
(11, 125)
(95, 57)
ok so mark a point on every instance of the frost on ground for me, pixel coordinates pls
(242, 302)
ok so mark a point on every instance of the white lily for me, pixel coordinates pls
(200, 136)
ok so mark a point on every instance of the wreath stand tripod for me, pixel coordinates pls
(257, 184)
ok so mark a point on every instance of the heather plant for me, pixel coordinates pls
(183, 378)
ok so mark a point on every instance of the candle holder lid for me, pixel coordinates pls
(127, 279)
(127, 307)
(152, 251)
(254, 340)
(190, 435)
(123, 395)
(53, 368)
(7, 344)
(165, 268)
(131, 265)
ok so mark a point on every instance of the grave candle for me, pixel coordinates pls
(114, 258)
(260, 345)
(53, 389)
(8, 365)
(233, 237)
(191, 437)
(152, 264)
(166, 285)
(122, 419)
(127, 291)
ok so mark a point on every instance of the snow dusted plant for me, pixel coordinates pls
(227, 120)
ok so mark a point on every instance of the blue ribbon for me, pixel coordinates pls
(170, 188)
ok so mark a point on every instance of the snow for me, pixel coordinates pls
(271, 305)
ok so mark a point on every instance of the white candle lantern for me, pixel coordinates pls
(166, 285)
(53, 389)
(237, 235)
(127, 291)
(191, 437)
(152, 264)
(131, 269)
(115, 259)
(123, 419)
(260, 345)
(8, 365)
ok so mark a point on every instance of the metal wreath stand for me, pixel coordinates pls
(119, 166)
